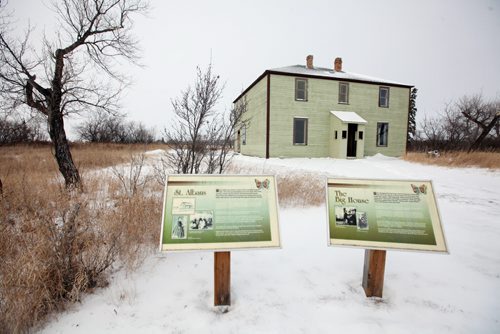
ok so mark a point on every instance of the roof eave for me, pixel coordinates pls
(251, 85)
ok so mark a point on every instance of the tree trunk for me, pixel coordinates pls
(57, 133)
(62, 152)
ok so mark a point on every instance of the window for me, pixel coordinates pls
(382, 131)
(335, 134)
(344, 134)
(244, 135)
(383, 97)
(360, 135)
(300, 89)
(300, 131)
(343, 92)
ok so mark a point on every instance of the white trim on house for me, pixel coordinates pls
(348, 117)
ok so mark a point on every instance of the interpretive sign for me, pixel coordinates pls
(384, 214)
(210, 212)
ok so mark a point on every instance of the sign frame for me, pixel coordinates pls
(273, 210)
(441, 245)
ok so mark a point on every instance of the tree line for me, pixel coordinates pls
(467, 124)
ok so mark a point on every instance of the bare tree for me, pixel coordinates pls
(484, 114)
(201, 138)
(62, 78)
(467, 124)
(195, 109)
(433, 132)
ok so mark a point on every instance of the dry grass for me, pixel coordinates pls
(458, 159)
(39, 159)
(296, 190)
(55, 245)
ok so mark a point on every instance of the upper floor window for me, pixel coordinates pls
(343, 92)
(383, 97)
(301, 89)
(300, 131)
(382, 133)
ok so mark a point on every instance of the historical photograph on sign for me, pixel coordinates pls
(362, 220)
(201, 220)
(345, 216)
(183, 206)
(179, 227)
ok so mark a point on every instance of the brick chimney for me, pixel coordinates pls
(338, 65)
(309, 61)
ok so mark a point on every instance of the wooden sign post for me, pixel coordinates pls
(380, 215)
(220, 213)
(373, 272)
(222, 278)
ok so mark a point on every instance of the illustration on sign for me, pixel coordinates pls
(219, 212)
(383, 214)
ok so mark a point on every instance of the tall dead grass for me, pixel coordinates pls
(295, 189)
(300, 190)
(56, 245)
(457, 159)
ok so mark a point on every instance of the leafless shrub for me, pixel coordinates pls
(201, 137)
(161, 169)
(131, 176)
(21, 131)
(53, 247)
(107, 128)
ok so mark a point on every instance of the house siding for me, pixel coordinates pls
(323, 98)
(284, 109)
(256, 112)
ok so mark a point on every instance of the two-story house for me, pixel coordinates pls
(308, 111)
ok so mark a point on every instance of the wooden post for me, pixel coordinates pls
(222, 278)
(373, 272)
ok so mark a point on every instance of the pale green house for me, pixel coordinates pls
(307, 111)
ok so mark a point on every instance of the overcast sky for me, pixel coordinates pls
(444, 48)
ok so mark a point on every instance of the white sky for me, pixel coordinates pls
(444, 48)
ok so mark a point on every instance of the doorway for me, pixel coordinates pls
(351, 140)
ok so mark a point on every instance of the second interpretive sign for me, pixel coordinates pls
(384, 214)
(214, 212)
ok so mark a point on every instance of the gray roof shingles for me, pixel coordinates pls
(330, 73)
(322, 72)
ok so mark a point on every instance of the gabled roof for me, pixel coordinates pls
(349, 117)
(323, 73)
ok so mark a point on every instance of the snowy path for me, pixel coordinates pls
(307, 287)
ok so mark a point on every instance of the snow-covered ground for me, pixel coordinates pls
(307, 287)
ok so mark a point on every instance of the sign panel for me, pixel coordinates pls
(383, 214)
(211, 212)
